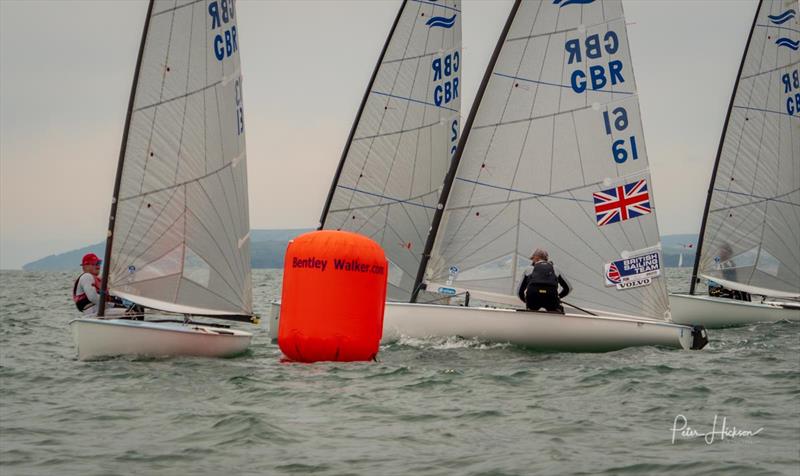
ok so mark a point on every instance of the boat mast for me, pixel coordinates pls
(451, 172)
(358, 118)
(719, 155)
(101, 307)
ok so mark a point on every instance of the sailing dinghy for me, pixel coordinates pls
(750, 235)
(552, 155)
(178, 239)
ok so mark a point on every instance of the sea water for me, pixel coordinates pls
(427, 407)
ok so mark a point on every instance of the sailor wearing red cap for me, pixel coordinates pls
(86, 290)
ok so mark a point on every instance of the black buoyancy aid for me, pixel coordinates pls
(543, 274)
(81, 301)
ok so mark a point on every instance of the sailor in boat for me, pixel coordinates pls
(539, 286)
(86, 290)
(728, 268)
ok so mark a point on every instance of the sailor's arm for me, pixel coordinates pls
(522, 287)
(565, 287)
(87, 285)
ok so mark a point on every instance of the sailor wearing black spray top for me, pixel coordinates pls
(539, 286)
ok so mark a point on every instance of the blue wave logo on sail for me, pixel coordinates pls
(570, 2)
(795, 45)
(443, 22)
(783, 17)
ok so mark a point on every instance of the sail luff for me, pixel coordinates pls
(101, 307)
(699, 250)
(357, 120)
(453, 169)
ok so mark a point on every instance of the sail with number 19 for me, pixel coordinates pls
(551, 155)
(749, 244)
(178, 239)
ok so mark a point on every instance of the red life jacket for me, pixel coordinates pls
(81, 301)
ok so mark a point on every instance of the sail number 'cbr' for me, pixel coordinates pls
(619, 148)
(593, 48)
(222, 12)
(791, 87)
(445, 69)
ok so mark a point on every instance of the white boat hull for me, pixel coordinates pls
(714, 313)
(95, 338)
(538, 330)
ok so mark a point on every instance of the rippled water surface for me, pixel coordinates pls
(428, 407)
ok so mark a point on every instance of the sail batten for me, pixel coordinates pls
(180, 223)
(554, 157)
(750, 234)
(390, 174)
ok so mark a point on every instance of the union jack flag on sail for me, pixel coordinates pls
(621, 203)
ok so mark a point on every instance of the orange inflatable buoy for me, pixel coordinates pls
(334, 289)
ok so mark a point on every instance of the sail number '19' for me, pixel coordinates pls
(222, 13)
(620, 123)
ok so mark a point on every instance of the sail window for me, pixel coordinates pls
(195, 268)
(498, 268)
(768, 263)
(167, 265)
(395, 274)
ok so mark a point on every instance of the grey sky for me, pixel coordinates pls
(66, 69)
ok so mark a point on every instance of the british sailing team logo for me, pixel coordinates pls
(612, 274)
(634, 271)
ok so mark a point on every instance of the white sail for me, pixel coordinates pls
(554, 157)
(394, 164)
(181, 231)
(751, 231)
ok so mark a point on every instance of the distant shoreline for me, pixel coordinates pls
(267, 249)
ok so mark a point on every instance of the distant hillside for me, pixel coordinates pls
(70, 260)
(267, 248)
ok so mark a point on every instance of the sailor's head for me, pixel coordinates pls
(539, 255)
(725, 252)
(91, 263)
